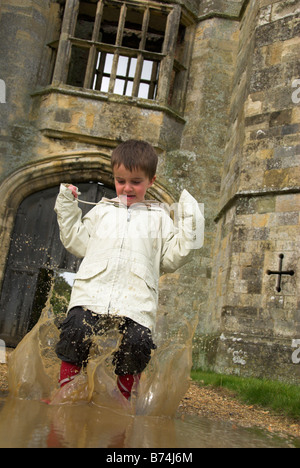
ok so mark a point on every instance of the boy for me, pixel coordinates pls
(125, 244)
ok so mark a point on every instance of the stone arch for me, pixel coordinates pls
(70, 167)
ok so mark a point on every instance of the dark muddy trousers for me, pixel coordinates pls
(81, 325)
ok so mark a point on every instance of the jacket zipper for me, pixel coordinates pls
(129, 211)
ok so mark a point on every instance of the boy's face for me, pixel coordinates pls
(131, 186)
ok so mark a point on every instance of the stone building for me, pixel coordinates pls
(214, 85)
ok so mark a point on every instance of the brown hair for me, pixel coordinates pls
(136, 154)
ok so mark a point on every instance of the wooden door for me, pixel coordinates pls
(36, 254)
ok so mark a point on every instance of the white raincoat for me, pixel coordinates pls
(125, 250)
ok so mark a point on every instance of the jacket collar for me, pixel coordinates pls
(149, 204)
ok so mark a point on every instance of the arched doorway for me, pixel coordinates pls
(36, 258)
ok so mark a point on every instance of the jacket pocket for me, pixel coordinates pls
(142, 272)
(87, 271)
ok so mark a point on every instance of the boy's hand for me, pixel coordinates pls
(73, 189)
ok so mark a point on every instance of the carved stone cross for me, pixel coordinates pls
(280, 273)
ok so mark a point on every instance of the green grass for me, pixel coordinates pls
(278, 396)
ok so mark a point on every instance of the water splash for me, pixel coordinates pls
(34, 369)
(91, 412)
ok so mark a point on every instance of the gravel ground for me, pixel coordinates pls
(3, 375)
(219, 404)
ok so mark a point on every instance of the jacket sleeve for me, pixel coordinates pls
(75, 231)
(184, 235)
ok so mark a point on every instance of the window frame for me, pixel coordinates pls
(166, 58)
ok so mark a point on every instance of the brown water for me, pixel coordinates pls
(31, 424)
(90, 412)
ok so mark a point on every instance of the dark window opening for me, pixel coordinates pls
(127, 48)
(136, 28)
(156, 31)
(78, 64)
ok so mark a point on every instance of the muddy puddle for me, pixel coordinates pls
(90, 411)
(31, 424)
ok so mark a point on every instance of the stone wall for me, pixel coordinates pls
(259, 203)
(26, 27)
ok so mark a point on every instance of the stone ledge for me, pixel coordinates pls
(111, 98)
(220, 8)
(254, 194)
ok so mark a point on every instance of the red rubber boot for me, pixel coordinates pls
(126, 382)
(67, 373)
